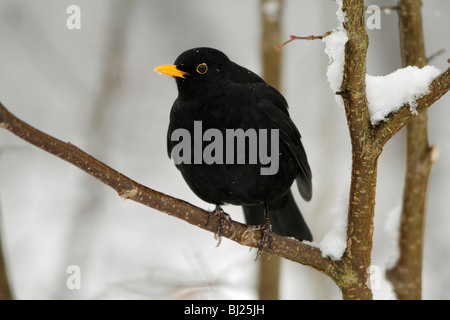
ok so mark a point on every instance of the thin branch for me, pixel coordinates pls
(292, 38)
(396, 121)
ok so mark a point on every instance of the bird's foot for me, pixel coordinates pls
(267, 237)
(223, 216)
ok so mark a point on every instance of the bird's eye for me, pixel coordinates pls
(202, 68)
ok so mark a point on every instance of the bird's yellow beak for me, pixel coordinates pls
(171, 70)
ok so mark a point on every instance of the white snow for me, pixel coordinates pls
(335, 49)
(340, 14)
(334, 242)
(392, 228)
(271, 9)
(387, 94)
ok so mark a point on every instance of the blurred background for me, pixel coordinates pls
(96, 88)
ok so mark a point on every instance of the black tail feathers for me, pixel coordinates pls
(284, 216)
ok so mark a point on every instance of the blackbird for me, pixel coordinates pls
(216, 93)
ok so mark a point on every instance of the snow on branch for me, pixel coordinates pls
(387, 94)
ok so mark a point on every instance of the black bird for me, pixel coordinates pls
(223, 95)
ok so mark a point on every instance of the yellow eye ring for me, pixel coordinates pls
(202, 68)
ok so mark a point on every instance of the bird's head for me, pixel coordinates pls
(198, 69)
(202, 70)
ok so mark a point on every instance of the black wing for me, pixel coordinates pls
(275, 107)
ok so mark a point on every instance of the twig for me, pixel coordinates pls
(292, 38)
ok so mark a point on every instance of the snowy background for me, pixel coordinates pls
(96, 88)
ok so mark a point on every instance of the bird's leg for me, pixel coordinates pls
(267, 233)
(222, 217)
(266, 228)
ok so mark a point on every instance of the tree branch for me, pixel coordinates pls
(367, 144)
(396, 121)
(364, 156)
(406, 276)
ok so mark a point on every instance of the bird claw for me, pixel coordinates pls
(222, 216)
(267, 237)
